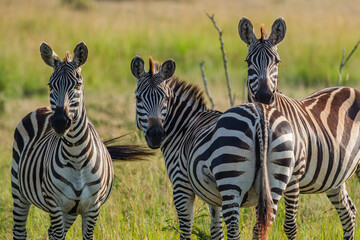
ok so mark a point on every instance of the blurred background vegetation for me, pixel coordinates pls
(141, 205)
(115, 31)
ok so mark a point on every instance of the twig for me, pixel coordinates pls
(343, 63)
(206, 86)
(224, 57)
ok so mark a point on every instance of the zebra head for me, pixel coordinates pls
(262, 59)
(66, 86)
(152, 98)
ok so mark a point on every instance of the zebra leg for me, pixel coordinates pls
(345, 208)
(56, 229)
(230, 209)
(68, 222)
(216, 223)
(292, 195)
(20, 213)
(20, 206)
(88, 223)
(184, 201)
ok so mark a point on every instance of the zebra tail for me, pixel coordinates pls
(265, 202)
(127, 152)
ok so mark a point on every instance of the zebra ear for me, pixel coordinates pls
(246, 31)
(80, 54)
(278, 31)
(137, 67)
(167, 69)
(48, 55)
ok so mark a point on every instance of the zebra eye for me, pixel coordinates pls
(277, 61)
(78, 86)
(50, 86)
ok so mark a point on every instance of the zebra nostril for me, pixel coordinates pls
(60, 121)
(155, 136)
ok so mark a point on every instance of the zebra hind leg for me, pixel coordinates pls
(230, 210)
(291, 197)
(216, 223)
(345, 209)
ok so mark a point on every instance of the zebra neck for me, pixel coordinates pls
(182, 123)
(78, 140)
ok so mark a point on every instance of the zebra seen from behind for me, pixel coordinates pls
(243, 157)
(326, 128)
(60, 164)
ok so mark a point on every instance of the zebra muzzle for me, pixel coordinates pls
(264, 95)
(155, 134)
(60, 121)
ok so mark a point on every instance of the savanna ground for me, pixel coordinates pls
(140, 206)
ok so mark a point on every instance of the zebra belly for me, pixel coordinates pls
(79, 193)
(321, 178)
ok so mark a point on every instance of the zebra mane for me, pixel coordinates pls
(68, 58)
(193, 92)
(153, 66)
(262, 31)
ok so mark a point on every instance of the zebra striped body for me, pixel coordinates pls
(243, 157)
(60, 164)
(326, 128)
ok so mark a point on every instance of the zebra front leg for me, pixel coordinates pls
(20, 207)
(20, 213)
(88, 223)
(56, 230)
(345, 208)
(216, 223)
(184, 201)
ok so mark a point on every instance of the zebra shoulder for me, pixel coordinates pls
(33, 123)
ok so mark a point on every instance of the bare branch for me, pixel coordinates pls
(206, 85)
(343, 63)
(224, 57)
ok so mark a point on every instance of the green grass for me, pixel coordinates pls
(116, 31)
(141, 206)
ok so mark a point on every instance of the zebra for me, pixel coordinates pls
(325, 124)
(60, 164)
(242, 157)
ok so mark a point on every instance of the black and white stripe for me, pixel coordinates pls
(60, 164)
(243, 157)
(326, 127)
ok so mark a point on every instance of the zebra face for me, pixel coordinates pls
(262, 72)
(262, 60)
(66, 87)
(152, 98)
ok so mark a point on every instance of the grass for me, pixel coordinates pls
(141, 206)
(116, 31)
